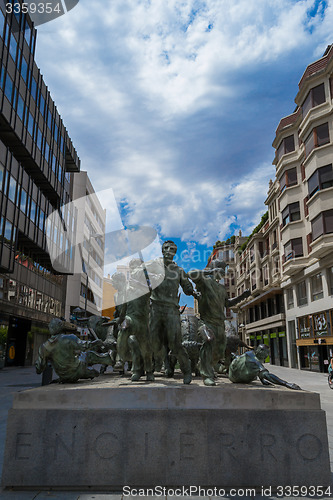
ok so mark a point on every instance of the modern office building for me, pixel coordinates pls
(36, 161)
(85, 287)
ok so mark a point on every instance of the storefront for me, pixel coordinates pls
(277, 341)
(315, 340)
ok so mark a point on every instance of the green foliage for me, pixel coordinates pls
(3, 335)
(229, 241)
(262, 222)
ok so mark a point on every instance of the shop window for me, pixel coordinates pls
(301, 293)
(304, 327)
(322, 224)
(317, 137)
(290, 298)
(320, 326)
(289, 178)
(317, 287)
(294, 248)
(291, 213)
(315, 97)
(287, 146)
(321, 179)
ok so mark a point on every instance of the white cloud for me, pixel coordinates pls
(146, 89)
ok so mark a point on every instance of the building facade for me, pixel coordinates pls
(85, 287)
(288, 262)
(304, 159)
(36, 161)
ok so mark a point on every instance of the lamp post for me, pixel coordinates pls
(91, 235)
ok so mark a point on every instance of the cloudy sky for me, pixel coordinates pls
(174, 103)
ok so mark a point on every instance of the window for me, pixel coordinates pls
(290, 298)
(1, 176)
(322, 224)
(330, 280)
(20, 107)
(30, 124)
(13, 47)
(304, 327)
(2, 22)
(291, 213)
(33, 88)
(318, 137)
(302, 296)
(315, 97)
(24, 69)
(287, 146)
(294, 248)
(252, 254)
(317, 287)
(23, 202)
(33, 210)
(289, 178)
(321, 179)
(12, 189)
(253, 281)
(9, 88)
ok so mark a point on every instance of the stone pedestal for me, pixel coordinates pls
(110, 433)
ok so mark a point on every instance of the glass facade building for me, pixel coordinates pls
(37, 158)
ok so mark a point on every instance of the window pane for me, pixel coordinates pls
(316, 287)
(23, 202)
(291, 177)
(8, 231)
(313, 184)
(31, 124)
(289, 144)
(12, 189)
(302, 298)
(9, 88)
(328, 221)
(24, 69)
(297, 247)
(309, 144)
(307, 105)
(20, 107)
(294, 211)
(317, 227)
(1, 176)
(288, 251)
(33, 211)
(13, 47)
(283, 182)
(318, 95)
(325, 176)
(285, 216)
(322, 134)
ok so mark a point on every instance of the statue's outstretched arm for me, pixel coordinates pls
(235, 300)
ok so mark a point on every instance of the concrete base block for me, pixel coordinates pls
(168, 443)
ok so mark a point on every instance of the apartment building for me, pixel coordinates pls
(304, 157)
(37, 158)
(261, 317)
(225, 251)
(85, 287)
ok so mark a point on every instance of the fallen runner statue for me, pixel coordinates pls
(248, 366)
(71, 358)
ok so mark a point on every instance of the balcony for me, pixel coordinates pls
(322, 246)
(319, 202)
(293, 266)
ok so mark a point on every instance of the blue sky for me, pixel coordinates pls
(174, 104)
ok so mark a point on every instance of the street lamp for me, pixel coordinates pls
(91, 235)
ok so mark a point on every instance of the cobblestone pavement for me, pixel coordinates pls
(17, 379)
